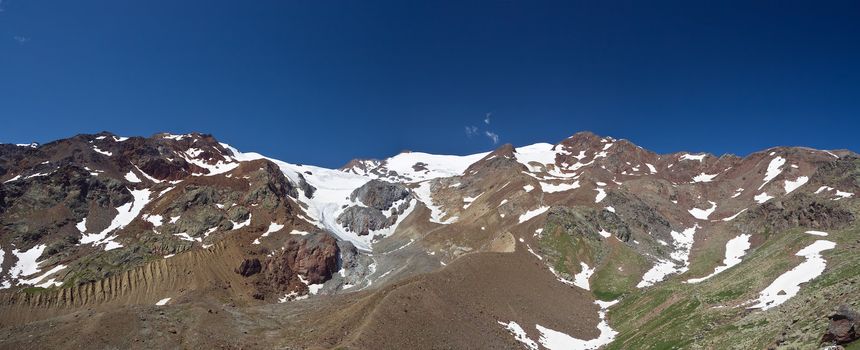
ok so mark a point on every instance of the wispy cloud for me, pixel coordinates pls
(487, 118)
(471, 130)
(493, 136)
(20, 39)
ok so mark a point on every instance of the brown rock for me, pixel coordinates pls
(844, 327)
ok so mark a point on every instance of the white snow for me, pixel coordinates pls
(162, 302)
(687, 156)
(27, 261)
(601, 193)
(437, 214)
(50, 283)
(300, 233)
(844, 194)
(12, 179)
(273, 227)
(704, 177)
(313, 289)
(552, 188)
(238, 225)
(467, 201)
(793, 185)
(155, 220)
(610, 208)
(736, 248)
(773, 169)
(651, 168)
(788, 284)
(555, 340)
(703, 214)
(519, 334)
(132, 177)
(437, 165)
(738, 192)
(679, 262)
(817, 233)
(532, 213)
(581, 279)
(125, 214)
(730, 218)
(605, 234)
(95, 148)
(762, 197)
(528, 188)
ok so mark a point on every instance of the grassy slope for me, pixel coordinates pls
(677, 315)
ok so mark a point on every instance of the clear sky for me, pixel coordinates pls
(321, 82)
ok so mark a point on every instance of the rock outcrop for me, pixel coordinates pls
(844, 327)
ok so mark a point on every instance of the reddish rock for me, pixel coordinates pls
(312, 256)
(844, 327)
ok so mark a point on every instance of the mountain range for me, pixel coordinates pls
(182, 241)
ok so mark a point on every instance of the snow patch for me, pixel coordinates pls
(788, 284)
(736, 248)
(581, 279)
(703, 214)
(532, 213)
(793, 185)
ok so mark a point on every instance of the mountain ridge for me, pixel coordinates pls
(102, 221)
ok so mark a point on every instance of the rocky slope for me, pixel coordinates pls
(591, 242)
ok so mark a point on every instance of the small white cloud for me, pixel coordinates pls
(493, 136)
(487, 118)
(471, 130)
(20, 39)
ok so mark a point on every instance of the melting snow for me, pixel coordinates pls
(555, 340)
(273, 227)
(773, 170)
(532, 213)
(132, 177)
(793, 185)
(155, 220)
(651, 168)
(683, 243)
(552, 188)
(162, 302)
(687, 156)
(102, 152)
(730, 218)
(611, 209)
(736, 248)
(125, 214)
(788, 284)
(601, 193)
(703, 214)
(704, 177)
(520, 334)
(581, 279)
(817, 233)
(238, 225)
(27, 261)
(762, 197)
(528, 188)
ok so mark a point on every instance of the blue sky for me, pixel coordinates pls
(321, 82)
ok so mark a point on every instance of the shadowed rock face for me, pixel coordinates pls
(249, 267)
(844, 327)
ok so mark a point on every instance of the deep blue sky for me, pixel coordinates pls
(321, 82)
